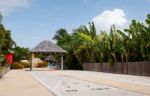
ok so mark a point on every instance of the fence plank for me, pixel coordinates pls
(131, 68)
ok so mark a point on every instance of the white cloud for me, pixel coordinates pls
(7, 6)
(109, 17)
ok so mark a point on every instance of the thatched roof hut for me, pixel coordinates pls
(47, 47)
(35, 61)
(50, 58)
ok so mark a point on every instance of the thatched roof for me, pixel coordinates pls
(47, 47)
(36, 60)
(50, 58)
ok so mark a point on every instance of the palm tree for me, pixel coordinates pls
(65, 40)
(125, 46)
(115, 45)
(134, 34)
(62, 37)
(146, 36)
(86, 46)
(103, 46)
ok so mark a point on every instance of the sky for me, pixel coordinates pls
(32, 21)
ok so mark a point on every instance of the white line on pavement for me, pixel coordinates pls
(56, 93)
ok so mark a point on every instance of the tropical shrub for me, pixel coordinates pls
(2, 59)
(25, 64)
(20, 65)
(17, 65)
(21, 53)
(42, 64)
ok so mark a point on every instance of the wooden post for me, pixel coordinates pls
(32, 57)
(62, 65)
(31, 63)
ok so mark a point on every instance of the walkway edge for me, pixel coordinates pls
(54, 92)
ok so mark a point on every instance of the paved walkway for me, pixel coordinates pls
(138, 84)
(20, 83)
(72, 83)
(66, 83)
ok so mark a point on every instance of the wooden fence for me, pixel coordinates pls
(130, 68)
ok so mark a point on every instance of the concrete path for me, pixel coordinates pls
(140, 84)
(66, 83)
(20, 83)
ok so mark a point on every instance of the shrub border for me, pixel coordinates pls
(4, 70)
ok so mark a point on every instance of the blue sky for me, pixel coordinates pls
(32, 21)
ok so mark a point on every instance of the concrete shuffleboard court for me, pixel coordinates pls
(62, 85)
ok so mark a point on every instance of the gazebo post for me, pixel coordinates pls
(62, 65)
(32, 57)
(31, 62)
